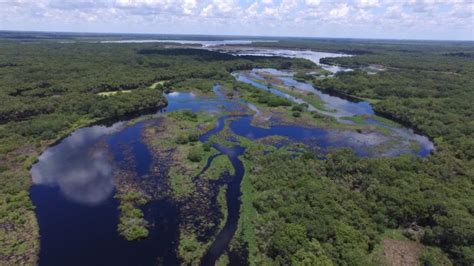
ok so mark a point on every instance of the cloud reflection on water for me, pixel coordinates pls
(78, 166)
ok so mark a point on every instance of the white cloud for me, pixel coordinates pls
(252, 10)
(368, 3)
(313, 3)
(188, 6)
(277, 17)
(394, 12)
(207, 11)
(340, 11)
(226, 6)
(287, 5)
(149, 3)
(364, 16)
(271, 12)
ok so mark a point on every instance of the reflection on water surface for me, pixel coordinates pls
(80, 168)
(73, 181)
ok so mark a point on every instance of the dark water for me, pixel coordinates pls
(73, 194)
(233, 194)
(341, 109)
(223, 238)
(73, 188)
(76, 210)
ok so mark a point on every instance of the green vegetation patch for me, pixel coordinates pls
(222, 203)
(111, 93)
(132, 224)
(221, 164)
(203, 86)
(190, 250)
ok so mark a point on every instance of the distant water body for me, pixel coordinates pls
(312, 56)
(198, 42)
(73, 182)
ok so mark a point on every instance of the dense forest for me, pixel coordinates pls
(304, 210)
(424, 85)
(48, 89)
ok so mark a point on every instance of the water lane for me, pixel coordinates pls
(223, 238)
(73, 186)
(334, 106)
(341, 109)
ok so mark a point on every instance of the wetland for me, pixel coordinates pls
(215, 152)
(170, 183)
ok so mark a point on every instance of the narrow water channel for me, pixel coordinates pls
(73, 186)
(233, 193)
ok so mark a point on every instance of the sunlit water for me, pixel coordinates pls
(341, 109)
(74, 189)
(192, 42)
(312, 56)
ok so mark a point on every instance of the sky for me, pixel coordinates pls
(389, 19)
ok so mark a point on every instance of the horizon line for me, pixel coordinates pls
(232, 35)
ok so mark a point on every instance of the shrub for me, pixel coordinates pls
(297, 108)
(195, 155)
(193, 137)
(182, 139)
(207, 146)
(190, 115)
(278, 101)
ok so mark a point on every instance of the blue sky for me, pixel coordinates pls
(399, 19)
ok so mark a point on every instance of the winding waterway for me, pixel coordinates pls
(74, 189)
